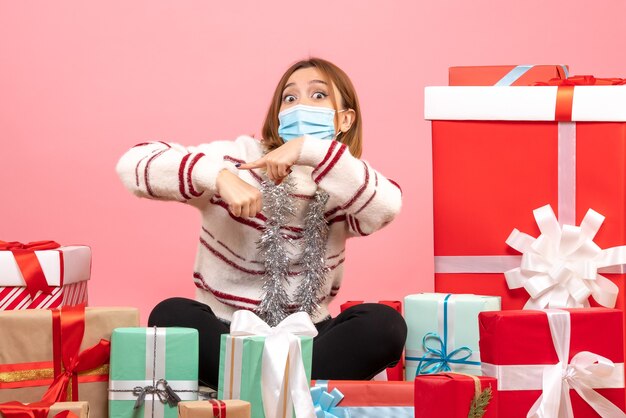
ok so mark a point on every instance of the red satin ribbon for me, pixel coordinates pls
(20, 410)
(68, 328)
(219, 408)
(29, 264)
(33, 410)
(565, 92)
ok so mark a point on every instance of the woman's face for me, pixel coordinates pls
(307, 86)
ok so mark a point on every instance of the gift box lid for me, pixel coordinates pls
(504, 75)
(64, 265)
(601, 103)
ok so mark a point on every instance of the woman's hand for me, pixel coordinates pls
(278, 163)
(243, 199)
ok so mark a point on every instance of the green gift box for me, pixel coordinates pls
(443, 332)
(150, 369)
(241, 368)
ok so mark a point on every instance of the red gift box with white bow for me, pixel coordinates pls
(555, 363)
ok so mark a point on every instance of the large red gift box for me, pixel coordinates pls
(501, 152)
(504, 75)
(450, 395)
(396, 372)
(523, 348)
(43, 275)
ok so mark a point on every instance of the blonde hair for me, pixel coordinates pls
(349, 100)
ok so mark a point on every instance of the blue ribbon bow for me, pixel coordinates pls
(438, 359)
(325, 403)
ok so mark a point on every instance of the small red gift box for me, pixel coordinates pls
(396, 372)
(42, 275)
(546, 359)
(452, 395)
(504, 75)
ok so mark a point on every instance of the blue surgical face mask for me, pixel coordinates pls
(316, 121)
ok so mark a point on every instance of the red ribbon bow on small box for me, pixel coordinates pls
(565, 93)
(29, 265)
(33, 410)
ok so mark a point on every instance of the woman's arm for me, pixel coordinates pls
(367, 199)
(167, 171)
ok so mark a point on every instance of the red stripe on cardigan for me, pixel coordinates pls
(395, 184)
(327, 156)
(329, 167)
(361, 189)
(340, 218)
(233, 159)
(137, 169)
(237, 160)
(217, 293)
(349, 219)
(207, 231)
(146, 180)
(366, 203)
(336, 255)
(229, 262)
(189, 171)
(303, 196)
(236, 218)
(358, 227)
(181, 180)
(142, 144)
(228, 249)
(226, 297)
(166, 144)
(355, 196)
(259, 216)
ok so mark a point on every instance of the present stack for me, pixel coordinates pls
(509, 145)
(527, 319)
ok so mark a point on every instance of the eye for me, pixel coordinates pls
(319, 95)
(289, 98)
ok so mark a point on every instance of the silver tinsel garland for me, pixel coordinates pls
(274, 247)
(313, 255)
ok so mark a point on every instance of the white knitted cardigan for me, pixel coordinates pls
(228, 273)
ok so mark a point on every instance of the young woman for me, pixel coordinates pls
(276, 214)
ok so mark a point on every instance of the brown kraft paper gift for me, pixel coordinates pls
(26, 354)
(214, 409)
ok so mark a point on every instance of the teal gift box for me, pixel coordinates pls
(443, 332)
(151, 369)
(241, 369)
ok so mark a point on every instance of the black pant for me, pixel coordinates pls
(356, 345)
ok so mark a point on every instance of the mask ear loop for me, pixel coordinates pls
(339, 132)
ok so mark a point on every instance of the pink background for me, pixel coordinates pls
(80, 82)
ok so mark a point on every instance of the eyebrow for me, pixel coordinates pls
(310, 82)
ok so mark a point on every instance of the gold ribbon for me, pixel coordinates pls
(45, 373)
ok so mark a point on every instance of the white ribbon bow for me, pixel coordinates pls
(585, 370)
(559, 269)
(282, 370)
